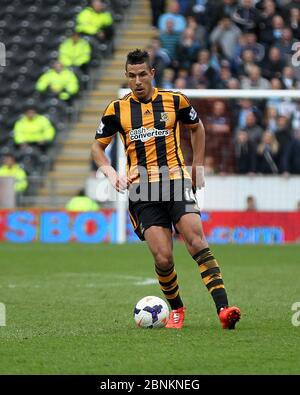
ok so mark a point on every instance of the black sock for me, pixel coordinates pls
(212, 278)
(168, 284)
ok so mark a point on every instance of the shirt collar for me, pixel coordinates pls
(153, 97)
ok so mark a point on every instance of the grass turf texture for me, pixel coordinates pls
(70, 311)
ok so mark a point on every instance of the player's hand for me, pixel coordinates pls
(198, 177)
(120, 183)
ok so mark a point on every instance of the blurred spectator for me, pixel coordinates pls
(276, 83)
(81, 202)
(288, 78)
(286, 107)
(252, 44)
(218, 131)
(291, 158)
(275, 101)
(245, 153)
(224, 76)
(266, 16)
(272, 35)
(197, 78)
(10, 168)
(294, 22)
(207, 70)
(209, 165)
(255, 80)
(95, 20)
(200, 10)
(226, 34)
(253, 129)
(298, 206)
(267, 152)
(225, 8)
(248, 42)
(200, 31)
(217, 57)
(33, 129)
(182, 73)
(188, 48)
(245, 106)
(283, 136)
(273, 65)
(285, 43)
(233, 83)
(59, 82)
(75, 51)
(247, 61)
(180, 83)
(246, 16)
(159, 59)
(168, 79)
(157, 8)
(295, 121)
(270, 121)
(169, 39)
(173, 14)
(251, 203)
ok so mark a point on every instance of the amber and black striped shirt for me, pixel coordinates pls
(150, 132)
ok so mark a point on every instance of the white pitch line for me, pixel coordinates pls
(147, 281)
(134, 280)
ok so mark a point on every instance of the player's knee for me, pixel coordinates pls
(164, 260)
(197, 242)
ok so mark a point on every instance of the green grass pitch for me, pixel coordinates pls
(70, 311)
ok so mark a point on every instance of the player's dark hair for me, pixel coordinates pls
(138, 56)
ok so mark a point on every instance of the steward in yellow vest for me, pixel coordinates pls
(81, 202)
(11, 168)
(60, 81)
(33, 128)
(95, 20)
(74, 51)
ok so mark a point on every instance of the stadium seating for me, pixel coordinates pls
(32, 31)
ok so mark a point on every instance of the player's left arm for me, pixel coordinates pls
(198, 146)
(190, 119)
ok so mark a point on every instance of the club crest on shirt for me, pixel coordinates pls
(164, 117)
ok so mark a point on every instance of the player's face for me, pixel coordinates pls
(140, 78)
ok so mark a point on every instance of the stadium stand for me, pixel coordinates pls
(32, 32)
(229, 44)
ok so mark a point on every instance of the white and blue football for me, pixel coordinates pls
(151, 312)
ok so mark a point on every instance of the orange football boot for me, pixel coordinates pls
(176, 318)
(229, 316)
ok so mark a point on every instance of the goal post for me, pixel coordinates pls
(226, 94)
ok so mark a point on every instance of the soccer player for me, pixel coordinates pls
(161, 191)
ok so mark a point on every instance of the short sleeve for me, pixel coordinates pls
(186, 112)
(109, 125)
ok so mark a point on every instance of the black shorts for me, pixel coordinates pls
(160, 205)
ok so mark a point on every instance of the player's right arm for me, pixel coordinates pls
(106, 131)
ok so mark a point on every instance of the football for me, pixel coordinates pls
(151, 312)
